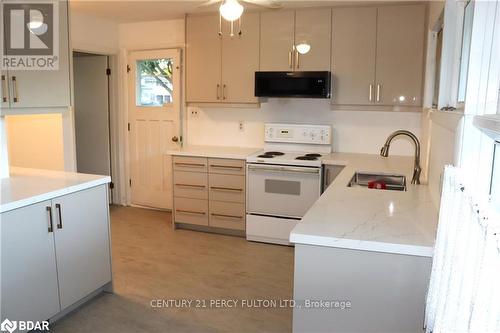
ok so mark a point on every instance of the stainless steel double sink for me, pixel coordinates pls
(392, 182)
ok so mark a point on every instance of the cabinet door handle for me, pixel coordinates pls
(51, 224)
(370, 93)
(224, 91)
(378, 92)
(14, 90)
(5, 90)
(189, 212)
(189, 185)
(297, 59)
(59, 215)
(227, 216)
(195, 165)
(226, 189)
(218, 91)
(290, 64)
(225, 166)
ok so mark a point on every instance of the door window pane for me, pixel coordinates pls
(154, 82)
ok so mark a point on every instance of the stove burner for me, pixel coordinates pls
(306, 158)
(313, 155)
(274, 153)
(265, 156)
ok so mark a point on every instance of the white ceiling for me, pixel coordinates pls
(124, 11)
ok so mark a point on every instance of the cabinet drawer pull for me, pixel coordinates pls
(59, 215)
(217, 166)
(227, 216)
(290, 59)
(4, 89)
(226, 189)
(224, 91)
(297, 59)
(14, 89)
(378, 92)
(189, 185)
(51, 224)
(189, 212)
(195, 165)
(370, 93)
(218, 91)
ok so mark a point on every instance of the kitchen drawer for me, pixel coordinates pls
(187, 163)
(226, 166)
(191, 184)
(227, 188)
(191, 211)
(228, 215)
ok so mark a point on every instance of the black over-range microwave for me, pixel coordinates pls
(293, 84)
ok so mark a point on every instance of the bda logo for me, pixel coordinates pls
(8, 325)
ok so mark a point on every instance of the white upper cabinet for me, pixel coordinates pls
(378, 55)
(282, 31)
(203, 58)
(221, 69)
(400, 54)
(42, 88)
(277, 41)
(313, 27)
(354, 35)
(240, 61)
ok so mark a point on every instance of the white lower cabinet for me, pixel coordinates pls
(29, 274)
(54, 254)
(82, 243)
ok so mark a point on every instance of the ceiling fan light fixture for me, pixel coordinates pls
(303, 48)
(231, 10)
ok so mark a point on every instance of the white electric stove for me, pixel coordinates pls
(284, 179)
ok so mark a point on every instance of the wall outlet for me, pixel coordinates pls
(194, 112)
(241, 126)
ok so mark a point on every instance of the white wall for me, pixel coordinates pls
(353, 131)
(151, 35)
(93, 34)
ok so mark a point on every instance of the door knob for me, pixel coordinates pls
(175, 139)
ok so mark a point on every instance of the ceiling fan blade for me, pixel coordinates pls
(209, 3)
(273, 4)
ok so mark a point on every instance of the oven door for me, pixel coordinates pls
(277, 190)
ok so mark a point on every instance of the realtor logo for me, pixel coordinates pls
(31, 39)
(8, 326)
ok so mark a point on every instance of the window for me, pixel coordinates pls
(154, 82)
(465, 53)
(439, 48)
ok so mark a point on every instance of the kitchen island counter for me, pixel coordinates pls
(399, 222)
(29, 186)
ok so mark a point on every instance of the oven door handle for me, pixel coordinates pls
(284, 169)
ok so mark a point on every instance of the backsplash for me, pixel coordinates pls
(353, 131)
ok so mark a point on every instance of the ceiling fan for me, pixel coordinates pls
(231, 10)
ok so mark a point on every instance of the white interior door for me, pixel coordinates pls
(154, 104)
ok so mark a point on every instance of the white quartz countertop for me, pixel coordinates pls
(239, 153)
(368, 219)
(29, 186)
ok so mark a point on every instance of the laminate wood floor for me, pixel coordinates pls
(151, 261)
